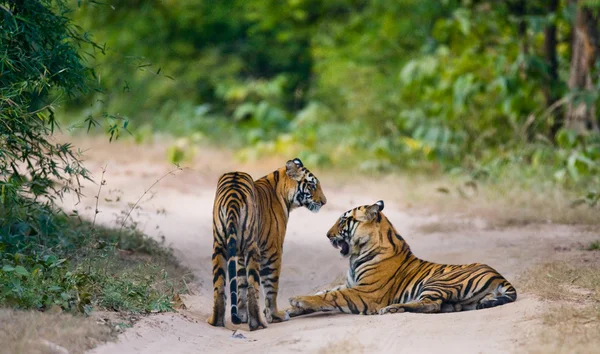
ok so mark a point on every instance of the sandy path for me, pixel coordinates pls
(309, 264)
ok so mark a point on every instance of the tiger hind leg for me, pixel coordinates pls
(218, 262)
(421, 306)
(492, 300)
(449, 307)
(429, 301)
(242, 290)
(255, 320)
(503, 294)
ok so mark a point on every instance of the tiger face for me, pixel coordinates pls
(352, 230)
(308, 192)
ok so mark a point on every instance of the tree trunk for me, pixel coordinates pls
(521, 11)
(550, 91)
(518, 8)
(581, 116)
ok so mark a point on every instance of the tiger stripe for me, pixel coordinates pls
(249, 223)
(386, 277)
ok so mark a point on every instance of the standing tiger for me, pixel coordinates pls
(249, 223)
(385, 277)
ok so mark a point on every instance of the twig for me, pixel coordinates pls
(172, 172)
(542, 114)
(96, 211)
(5, 9)
(554, 107)
(186, 284)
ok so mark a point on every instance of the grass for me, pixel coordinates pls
(507, 202)
(32, 332)
(79, 270)
(442, 227)
(594, 246)
(572, 287)
(57, 270)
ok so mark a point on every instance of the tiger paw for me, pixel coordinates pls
(256, 323)
(215, 321)
(391, 309)
(278, 316)
(243, 314)
(296, 311)
(297, 301)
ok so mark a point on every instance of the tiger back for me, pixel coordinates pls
(386, 277)
(249, 225)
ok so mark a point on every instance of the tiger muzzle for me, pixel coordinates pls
(340, 242)
(315, 207)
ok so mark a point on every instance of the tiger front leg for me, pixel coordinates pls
(339, 287)
(297, 311)
(270, 276)
(348, 300)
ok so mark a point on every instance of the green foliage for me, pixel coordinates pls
(579, 155)
(594, 246)
(38, 55)
(52, 260)
(450, 86)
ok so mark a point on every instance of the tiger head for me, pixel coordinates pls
(354, 228)
(307, 192)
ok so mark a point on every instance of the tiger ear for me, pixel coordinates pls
(292, 168)
(298, 162)
(373, 210)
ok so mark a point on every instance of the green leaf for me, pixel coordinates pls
(21, 271)
(572, 167)
(566, 138)
(50, 259)
(464, 22)
(8, 268)
(243, 111)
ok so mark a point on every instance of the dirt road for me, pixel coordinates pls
(181, 207)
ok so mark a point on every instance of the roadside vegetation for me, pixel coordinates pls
(495, 92)
(52, 262)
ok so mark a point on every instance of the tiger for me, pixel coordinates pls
(386, 277)
(249, 224)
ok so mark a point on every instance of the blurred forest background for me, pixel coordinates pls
(489, 91)
(486, 88)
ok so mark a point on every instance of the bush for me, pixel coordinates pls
(57, 260)
(40, 58)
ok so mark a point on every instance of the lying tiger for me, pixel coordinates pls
(385, 277)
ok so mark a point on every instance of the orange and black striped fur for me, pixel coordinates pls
(385, 276)
(249, 223)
